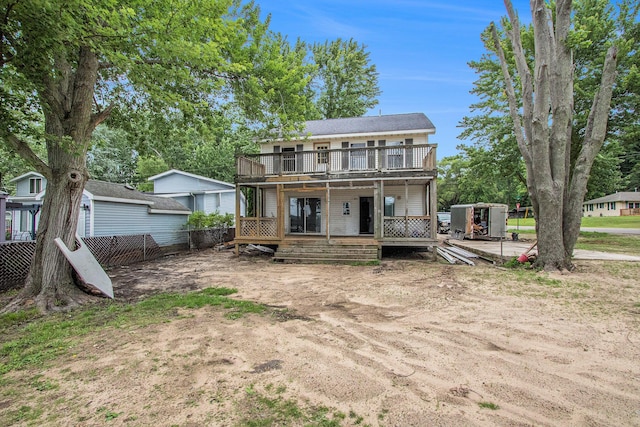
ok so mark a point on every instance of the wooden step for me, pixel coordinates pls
(326, 252)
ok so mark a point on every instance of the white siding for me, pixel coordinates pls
(336, 143)
(416, 200)
(346, 225)
(270, 207)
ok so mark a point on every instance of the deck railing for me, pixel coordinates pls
(395, 227)
(257, 227)
(409, 227)
(403, 157)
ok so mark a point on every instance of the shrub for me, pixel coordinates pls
(199, 219)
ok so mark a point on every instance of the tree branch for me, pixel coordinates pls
(22, 148)
(511, 97)
(526, 81)
(99, 117)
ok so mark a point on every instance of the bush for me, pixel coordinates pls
(199, 219)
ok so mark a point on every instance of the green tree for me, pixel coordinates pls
(206, 148)
(346, 83)
(543, 117)
(472, 176)
(147, 167)
(71, 64)
(110, 157)
(596, 26)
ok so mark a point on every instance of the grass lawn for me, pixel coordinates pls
(593, 241)
(602, 222)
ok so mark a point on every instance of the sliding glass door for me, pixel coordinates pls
(305, 215)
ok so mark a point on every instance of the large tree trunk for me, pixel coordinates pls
(50, 282)
(543, 127)
(67, 100)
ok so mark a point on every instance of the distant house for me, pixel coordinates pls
(618, 204)
(197, 193)
(23, 209)
(108, 209)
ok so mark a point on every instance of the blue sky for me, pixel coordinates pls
(420, 48)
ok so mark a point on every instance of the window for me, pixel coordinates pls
(389, 206)
(322, 157)
(289, 159)
(346, 208)
(358, 157)
(611, 206)
(35, 185)
(395, 156)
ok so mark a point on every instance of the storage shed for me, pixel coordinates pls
(486, 221)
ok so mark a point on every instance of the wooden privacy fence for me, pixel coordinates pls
(110, 251)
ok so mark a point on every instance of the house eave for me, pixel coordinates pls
(428, 131)
(120, 200)
(169, 212)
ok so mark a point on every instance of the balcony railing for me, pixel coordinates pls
(369, 159)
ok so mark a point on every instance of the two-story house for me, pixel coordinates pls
(345, 186)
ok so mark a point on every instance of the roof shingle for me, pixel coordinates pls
(370, 124)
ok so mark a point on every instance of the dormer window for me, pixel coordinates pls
(35, 185)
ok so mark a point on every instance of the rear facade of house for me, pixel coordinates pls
(351, 183)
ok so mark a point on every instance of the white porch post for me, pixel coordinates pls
(328, 209)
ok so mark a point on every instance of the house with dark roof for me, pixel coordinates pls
(618, 204)
(107, 209)
(344, 189)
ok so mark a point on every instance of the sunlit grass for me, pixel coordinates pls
(30, 340)
(590, 222)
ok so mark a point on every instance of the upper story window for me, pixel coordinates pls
(322, 153)
(35, 185)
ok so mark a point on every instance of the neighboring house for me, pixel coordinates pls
(196, 192)
(366, 180)
(107, 209)
(618, 204)
(24, 207)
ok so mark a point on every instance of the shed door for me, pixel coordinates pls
(497, 221)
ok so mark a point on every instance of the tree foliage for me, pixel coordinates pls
(345, 83)
(199, 219)
(67, 66)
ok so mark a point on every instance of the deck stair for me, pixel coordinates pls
(327, 251)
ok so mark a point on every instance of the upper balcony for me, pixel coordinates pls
(396, 158)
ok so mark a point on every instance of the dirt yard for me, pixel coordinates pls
(406, 343)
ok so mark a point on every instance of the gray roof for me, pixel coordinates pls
(120, 191)
(623, 196)
(370, 124)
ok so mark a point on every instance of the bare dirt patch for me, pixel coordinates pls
(405, 343)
